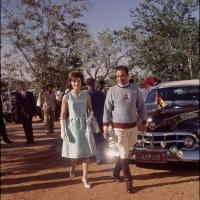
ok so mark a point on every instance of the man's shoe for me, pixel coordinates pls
(98, 163)
(8, 142)
(129, 186)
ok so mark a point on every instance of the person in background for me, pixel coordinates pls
(146, 87)
(123, 102)
(39, 100)
(131, 81)
(59, 95)
(48, 102)
(67, 89)
(101, 87)
(156, 81)
(25, 109)
(97, 100)
(78, 140)
(3, 127)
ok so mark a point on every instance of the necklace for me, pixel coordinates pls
(76, 94)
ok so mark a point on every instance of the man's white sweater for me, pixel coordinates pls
(123, 105)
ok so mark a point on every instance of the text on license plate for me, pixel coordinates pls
(151, 156)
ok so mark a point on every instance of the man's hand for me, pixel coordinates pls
(144, 129)
(105, 134)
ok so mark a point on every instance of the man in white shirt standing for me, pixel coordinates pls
(58, 94)
(49, 99)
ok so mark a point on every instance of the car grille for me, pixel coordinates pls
(157, 139)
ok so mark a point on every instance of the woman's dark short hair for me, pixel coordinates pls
(121, 67)
(75, 74)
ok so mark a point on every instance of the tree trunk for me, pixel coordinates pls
(190, 67)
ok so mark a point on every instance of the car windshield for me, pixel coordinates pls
(183, 93)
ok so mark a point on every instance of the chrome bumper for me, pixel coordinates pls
(173, 154)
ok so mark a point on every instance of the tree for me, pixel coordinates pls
(99, 57)
(12, 70)
(45, 34)
(164, 38)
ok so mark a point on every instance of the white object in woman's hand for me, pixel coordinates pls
(90, 116)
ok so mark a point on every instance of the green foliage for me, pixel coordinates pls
(45, 34)
(164, 39)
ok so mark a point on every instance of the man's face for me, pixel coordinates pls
(22, 86)
(49, 88)
(122, 77)
(101, 87)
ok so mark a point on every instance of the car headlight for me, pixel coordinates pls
(149, 120)
(188, 141)
(111, 152)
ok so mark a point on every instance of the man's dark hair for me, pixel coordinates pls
(90, 82)
(121, 67)
(49, 85)
(131, 80)
(21, 82)
(101, 82)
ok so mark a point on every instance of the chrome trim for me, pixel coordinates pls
(174, 154)
(163, 134)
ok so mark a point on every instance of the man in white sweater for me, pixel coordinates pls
(123, 103)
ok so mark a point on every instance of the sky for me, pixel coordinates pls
(111, 14)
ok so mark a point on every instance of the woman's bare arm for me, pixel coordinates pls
(64, 108)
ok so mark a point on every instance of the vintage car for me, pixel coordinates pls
(173, 130)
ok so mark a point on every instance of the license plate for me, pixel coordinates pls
(151, 156)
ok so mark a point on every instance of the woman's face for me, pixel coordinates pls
(76, 83)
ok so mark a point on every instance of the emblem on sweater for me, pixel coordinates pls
(126, 97)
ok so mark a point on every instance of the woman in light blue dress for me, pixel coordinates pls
(78, 140)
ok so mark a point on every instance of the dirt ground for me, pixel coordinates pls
(38, 172)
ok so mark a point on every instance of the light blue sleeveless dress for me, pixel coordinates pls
(80, 140)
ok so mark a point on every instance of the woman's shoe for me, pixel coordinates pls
(117, 178)
(71, 176)
(87, 185)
